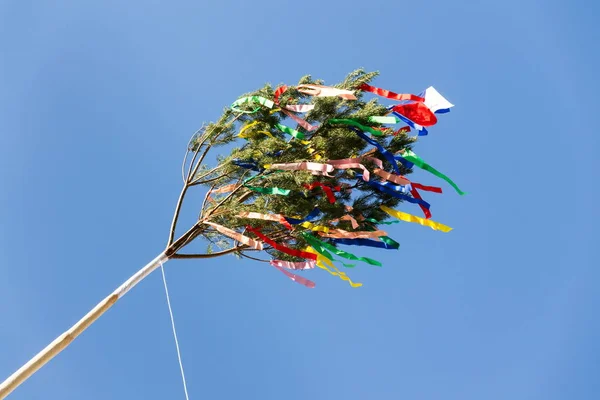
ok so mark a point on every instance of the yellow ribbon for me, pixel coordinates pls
(418, 220)
(336, 272)
(316, 228)
(246, 135)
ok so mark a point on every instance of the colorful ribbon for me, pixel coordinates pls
(365, 242)
(265, 217)
(248, 164)
(434, 189)
(251, 99)
(412, 218)
(255, 244)
(315, 228)
(341, 234)
(417, 195)
(290, 131)
(375, 221)
(356, 124)
(350, 163)
(327, 189)
(388, 94)
(303, 166)
(303, 107)
(296, 221)
(384, 152)
(321, 261)
(384, 119)
(396, 191)
(326, 91)
(280, 247)
(397, 179)
(273, 190)
(347, 218)
(386, 239)
(409, 156)
(296, 265)
(322, 246)
(296, 278)
(226, 189)
(248, 134)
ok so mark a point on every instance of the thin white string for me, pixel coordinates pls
(162, 269)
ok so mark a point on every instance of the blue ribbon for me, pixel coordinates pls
(364, 242)
(248, 164)
(313, 214)
(396, 191)
(384, 152)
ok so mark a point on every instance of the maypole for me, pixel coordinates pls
(299, 193)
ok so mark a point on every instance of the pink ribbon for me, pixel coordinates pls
(226, 188)
(266, 217)
(305, 165)
(297, 278)
(296, 108)
(351, 219)
(303, 123)
(298, 265)
(326, 91)
(397, 179)
(300, 108)
(341, 234)
(255, 244)
(347, 218)
(356, 163)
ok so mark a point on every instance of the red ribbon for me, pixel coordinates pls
(280, 247)
(390, 95)
(327, 189)
(434, 189)
(416, 195)
(404, 129)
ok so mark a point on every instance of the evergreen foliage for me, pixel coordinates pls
(331, 141)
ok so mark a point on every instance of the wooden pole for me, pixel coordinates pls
(61, 342)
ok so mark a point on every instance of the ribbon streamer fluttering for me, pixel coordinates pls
(388, 94)
(321, 263)
(296, 278)
(326, 91)
(410, 156)
(255, 244)
(412, 218)
(323, 246)
(249, 100)
(280, 247)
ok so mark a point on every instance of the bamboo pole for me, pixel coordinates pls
(61, 342)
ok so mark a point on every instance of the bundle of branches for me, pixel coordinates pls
(300, 192)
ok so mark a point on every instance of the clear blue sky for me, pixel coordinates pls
(98, 100)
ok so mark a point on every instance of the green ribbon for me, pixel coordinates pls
(290, 131)
(352, 122)
(251, 99)
(273, 190)
(385, 239)
(316, 244)
(322, 248)
(373, 220)
(384, 120)
(409, 156)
